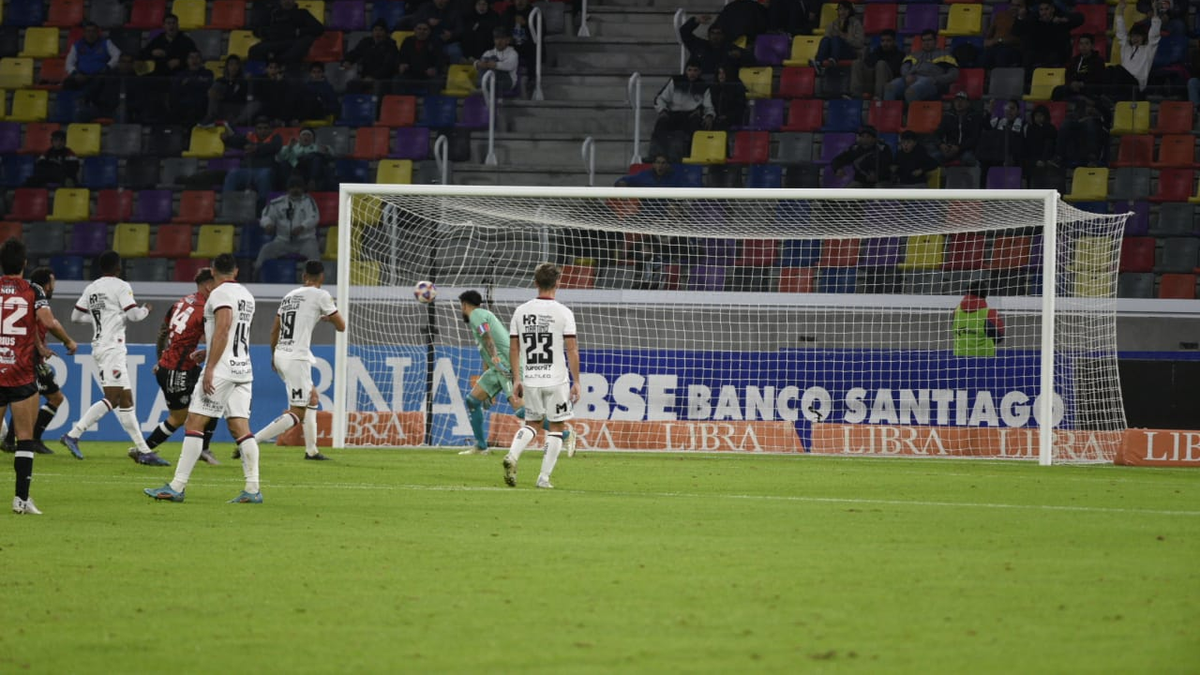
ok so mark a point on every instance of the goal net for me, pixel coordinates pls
(849, 322)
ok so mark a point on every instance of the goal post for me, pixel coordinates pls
(834, 321)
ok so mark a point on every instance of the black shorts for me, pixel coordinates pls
(10, 395)
(46, 385)
(177, 386)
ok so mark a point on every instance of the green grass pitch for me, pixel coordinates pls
(422, 561)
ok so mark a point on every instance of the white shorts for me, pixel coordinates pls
(552, 403)
(297, 377)
(112, 367)
(230, 400)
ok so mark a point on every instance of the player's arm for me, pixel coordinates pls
(275, 328)
(46, 316)
(338, 321)
(164, 335)
(129, 306)
(514, 354)
(80, 315)
(224, 319)
(573, 362)
(489, 346)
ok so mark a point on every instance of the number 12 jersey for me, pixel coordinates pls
(540, 326)
(234, 364)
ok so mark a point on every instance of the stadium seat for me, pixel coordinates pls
(168, 141)
(1177, 287)
(1006, 83)
(924, 252)
(140, 173)
(40, 43)
(175, 170)
(1178, 255)
(411, 143)
(839, 253)
(969, 80)
(51, 73)
(1010, 252)
(1135, 285)
(328, 48)
(191, 14)
(174, 241)
(371, 143)
(153, 206)
(337, 138)
(278, 271)
(708, 147)
(878, 17)
(797, 82)
(399, 36)
(25, 13)
(1174, 117)
(757, 81)
(828, 15)
(837, 280)
(1088, 185)
(147, 14)
(114, 206)
(358, 110)
(1131, 117)
(924, 117)
(108, 15)
(45, 239)
(205, 143)
(1174, 185)
(10, 229)
(364, 273)
(327, 207)
(764, 176)
(352, 171)
(965, 251)
(1135, 150)
(147, 269)
(1130, 183)
(767, 115)
(1044, 82)
(1175, 219)
(250, 241)
(122, 140)
(919, 18)
(750, 147)
(394, 172)
(461, 80)
(398, 111)
(66, 106)
(886, 116)
(438, 112)
(67, 267)
(793, 148)
(1176, 151)
(29, 105)
(211, 45)
(474, 113)
(771, 49)
(29, 204)
(99, 173)
(228, 15)
(213, 241)
(240, 42)
(196, 207)
(239, 207)
(1137, 254)
(314, 7)
(964, 19)
(84, 139)
(797, 280)
(187, 268)
(804, 50)
(348, 15)
(844, 115)
(71, 205)
(10, 136)
(132, 240)
(15, 170)
(1003, 178)
(1095, 19)
(37, 137)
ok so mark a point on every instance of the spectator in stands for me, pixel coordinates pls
(870, 158)
(169, 49)
(1046, 37)
(377, 58)
(913, 164)
(684, 106)
(1138, 45)
(516, 20)
(445, 25)
(142, 100)
(728, 96)
(870, 74)
(660, 174)
(286, 33)
(293, 219)
(420, 59)
(1085, 71)
(843, 39)
(1083, 136)
(713, 51)
(90, 58)
(189, 91)
(925, 75)
(978, 329)
(501, 59)
(57, 166)
(1000, 143)
(304, 158)
(1001, 46)
(478, 25)
(794, 17)
(227, 95)
(258, 163)
(317, 100)
(273, 95)
(1041, 141)
(742, 18)
(958, 133)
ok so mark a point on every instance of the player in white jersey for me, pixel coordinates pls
(225, 388)
(291, 336)
(542, 341)
(108, 304)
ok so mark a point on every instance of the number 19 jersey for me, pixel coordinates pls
(234, 364)
(540, 327)
(299, 312)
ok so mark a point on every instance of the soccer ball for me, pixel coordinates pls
(425, 292)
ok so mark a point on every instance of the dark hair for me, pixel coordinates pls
(224, 264)
(694, 63)
(109, 262)
(978, 289)
(314, 268)
(472, 298)
(58, 135)
(379, 23)
(203, 274)
(12, 256)
(170, 16)
(41, 276)
(930, 32)
(501, 32)
(295, 180)
(546, 276)
(908, 136)
(90, 24)
(887, 31)
(1091, 38)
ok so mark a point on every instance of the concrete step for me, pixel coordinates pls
(650, 27)
(579, 121)
(692, 6)
(627, 56)
(556, 150)
(609, 89)
(475, 174)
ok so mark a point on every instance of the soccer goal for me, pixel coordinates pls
(964, 323)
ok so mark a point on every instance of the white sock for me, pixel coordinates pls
(4, 427)
(553, 447)
(281, 424)
(523, 437)
(249, 447)
(310, 431)
(193, 443)
(129, 423)
(92, 415)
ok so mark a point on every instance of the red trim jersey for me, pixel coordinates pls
(19, 302)
(41, 329)
(185, 329)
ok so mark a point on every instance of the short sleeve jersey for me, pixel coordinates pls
(483, 323)
(106, 299)
(299, 312)
(541, 325)
(234, 363)
(41, 329)
(185, 328)
(19, 303)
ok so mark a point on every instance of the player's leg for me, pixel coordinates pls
(9, 444)
(166, 428)
(297, 381)
(24, 413)
(558, 407)
(205, 452)
(202, 409)
(177, 391)
(52, 401)
(477, 401)
(237, 416)
(110, 365)
(310, 427)
(524, 435)
(140, 452)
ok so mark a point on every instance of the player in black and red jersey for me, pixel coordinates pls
(22, 306)
(180, 357)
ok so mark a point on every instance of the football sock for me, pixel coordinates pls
(310, 431)
(209, 430)
(160, 434)
(193, 443)
(521, 439)
(281, 424)
(23, 466)
(249, 446)
(129, 422)
(45, 415)
(520, 413)
(554, 443)
(475, 413)
(92, 415)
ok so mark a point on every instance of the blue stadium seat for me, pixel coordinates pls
(765, 176)
(278, 271)
(250, 241)
(390, 12)
(67, 267)
(65, 105)
(25, 13)
(15, 170)
(836, 279)
(439, 112)
(358, 110)
(99, 173)
(843, 115)
(692, 174)
(801, 252)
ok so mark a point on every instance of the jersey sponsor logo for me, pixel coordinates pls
(297, 393)
(561, 407)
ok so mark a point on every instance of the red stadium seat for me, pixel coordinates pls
(924, 117)
(1176, 151)
(398, 111)
(10, 229)
(750, 147)
(797, 280)
(577, 276)
(796, 82)
(839, 253)
(147, 14)
(371, 143)
(1174, 117)
(1174, 185)
(1177, 287)
(173, 241)
(196, 207)
(969, 80)
(65, 13)
(328, 48)
(805, 115)
(37, 137)
(878, 17)
(1010, 252)
(758, 253)
(228, 14)
(1095, 19)
(1135, 150)
(114, 206)
(29, 204)
(885, 116)
(186, 268)
(1137, 254)
(965, 251)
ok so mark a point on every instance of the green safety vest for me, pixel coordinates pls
(970, 333)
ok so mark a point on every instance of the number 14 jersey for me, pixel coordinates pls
(234, 364)
(540, 327)
(299, 312)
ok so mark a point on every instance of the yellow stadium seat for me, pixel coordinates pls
(40, 43)
(924, 252)
(740, 43)
(1114, 53)
(1195, 199)
(1088, 185)
(205, 143)
(757, 81)
(1044, 82)
(804, 50)
(132, 240)
(331, 244)
(364, 273)
(213, 241)
(240, 42)
(70, 205)
(1131, 117)
(30, 105)
(191, 14)
(314, 7)
(708, 147)
(84, 139)
(1093, 285)
(399, 36)
(964, 19)
(934, 179)
(217, 68)
(1092, 255)
(397, 171)
(828, 16)
(16, 73)
(461, 80)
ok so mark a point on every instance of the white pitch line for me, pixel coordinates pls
(124, 480)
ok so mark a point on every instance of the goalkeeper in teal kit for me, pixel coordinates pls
(491, 334)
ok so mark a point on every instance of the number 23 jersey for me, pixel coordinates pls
(540, 326)
(234, 364)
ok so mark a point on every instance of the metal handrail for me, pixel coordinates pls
(441, 154)
(583, 27)
(488, 84)
(587, 152)
(633, 94)
(535, 29)
(678, 21)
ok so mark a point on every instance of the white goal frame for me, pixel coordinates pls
(1047, 198)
